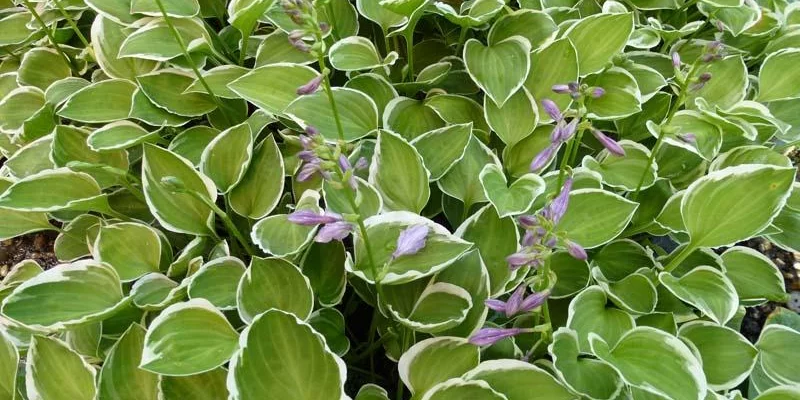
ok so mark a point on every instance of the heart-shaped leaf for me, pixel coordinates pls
(499, 69)
(514, 199)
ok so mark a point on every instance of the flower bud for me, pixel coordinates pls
(311, 86)
(597, 92)
(576, 251)
(543, 158)
(676, 60)
(561, 89)
(610, 144)
(552, 109)
(411, 241)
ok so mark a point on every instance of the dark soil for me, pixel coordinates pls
(35, 246)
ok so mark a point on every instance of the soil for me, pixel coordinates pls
(34, 246)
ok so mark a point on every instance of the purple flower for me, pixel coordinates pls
(690, 138)
(528, 221)
(344, 163)
(576, 251)
(311, 218)
(520, 259)
(704, 77)
(334, 231)
(311, 86)
(411, 241)
(533, 236)
(490, 336)
(534, 300)
(307, 156)
(562, 132)
(552, 109)
(543, 158)
(597, 92)
(308, 170)
(561, 89)
(556, 210)
(362, 163)
(676, 60)
(311, 131)
(574, 86)
(324, 27)
(610, 144)
(518, 303)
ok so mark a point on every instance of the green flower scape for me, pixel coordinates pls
(398, 199)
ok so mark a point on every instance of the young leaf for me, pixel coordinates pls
(435, 360)
(121, 378)
(499, 69)
(54, 371)
(291, 290)
(514, 199)
(226, 158)
(397, 171)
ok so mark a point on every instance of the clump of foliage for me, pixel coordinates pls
(331, 199)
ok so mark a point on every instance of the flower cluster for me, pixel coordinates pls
(303, 13)
(327, 160)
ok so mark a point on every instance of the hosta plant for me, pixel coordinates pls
(374, 199)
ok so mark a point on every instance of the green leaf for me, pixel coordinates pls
(435, 360)
(777, 78)
(278, 352)
(191, 143)
(398, 173)
(728, 84)
(621, 258)
(166, 89)
(462, 181)
(517, 380)
(772, 346)
(441, 249)
(217, 281)
(780, 393)
(218, 79)
(132, 249)
(654, 361)
(621, 99)
(188, 338)
(104, 101)
(259, 190)
(371, 391)
(356, 53)
(754, 276)
(69, 145)
(118, 135)
(205, 386)
(439, 307)
(376, 87)
(595, 217)
(499, 69)
(107, 38)
(283, 79)
(146, 111)
(634, 293)
(279, 237)
(707, 289)
(472, 14)
(14, 29)
(379, 14)
(18, 106)
(368, 199)
(442, 148)
(555, 64)
(624, 172)
(8, 367)
(572, 275)
(357, 113)
(244, 14)
(747, 155)
(727, 357)
(17, 223)
(514, 199)
(155, 291)
(468, 272)
(588, 376)
(77, 238)
(291, 290)
(226, 158)
(32, 158)
(534, 25)
(495, 238)
(593, 55)
(54, 371)
(410, 118)
(589, 315)
(178, 212)
(177, 9)
(121, 378)
(329, 322)
(457, 388)
(64, 296)
(323, 265)
(516, 119)
(275, 48)
(155, 40)
(734, 203)
(41, 66)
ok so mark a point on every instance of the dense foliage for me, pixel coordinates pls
(487, 199)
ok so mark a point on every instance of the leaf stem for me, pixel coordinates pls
(243, 51)
(229, 225)
(326, 84)
(49, 34)
(410, 55)
(684, 253)
(462, 37)
(189, 60)
(72, 24)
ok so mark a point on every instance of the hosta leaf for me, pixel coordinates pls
(188, 338)
(495, 238)
(54, 371)
(132, 249)
(41, 66)
(624, 172)
(435, 360)
(754, 276)
(469, 273)
(226, 158)
(707, 289)
(728, 84)
(462, 181)
(143, 109)
(165, 89)
(634, 293)
(472, 14)
(155, 292)
(8, 368)
(283, 79)
(592, 55)
(727, 357)
(277, 354)
(511, 199)
(329, 322)
(14, 28)
(499, 69)
(440, 306)
(121, 378)
(291, 290)
(17, 223)
(279, 237)
(397, 171)
(77, 238)
(589, 315)
(104, 101)
(534, 25)
(553, 65)
(118, 135)
(622, 97)
(205, 386)
(217, 282)
(354, 53)
(734, 203)
(368, 198)
(410, 118)
(772, 346)
(442, 148)
(178, 212)
(259, 190)
(107, 38)
(67, 295)
(218, 79)
(376, 87)
(517, 380)
(244, 14)
(155, 41)
(323, 264)
(372, 391)
(780, 392)
(70, 145)
(591, 377)
(18, 106)
(776, 79)
(379, 14)
(441, 249)
(595, 217)
(177, 9)
(191, 143)
(516, 119)
(572, 275)
(357, 113)
(654, 361)
(458, 388)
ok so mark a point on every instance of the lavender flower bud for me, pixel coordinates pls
(490, 336)
(530, 238)
(324, 27)
(311, 86)
(562, 133)
(610, 144)
(543, 158)
(307, 156)
(362, 163)
(574, 86)
(334, 231)
(676, 60)
(552, 109)
(533, 301)
(576, 251)
(551, 242)
(520, 259)
(344, 163)
(556, 210)
(528, 221)
(296, 34)
(311, 131)
(561, 89)
(496, 305)
(597, 92)
(704, 77)
(411, 241)
(515, 301)
(311, 218)
(307, 171)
